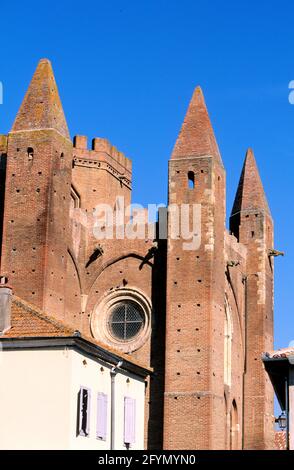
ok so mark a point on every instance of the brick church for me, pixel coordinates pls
(199, 318)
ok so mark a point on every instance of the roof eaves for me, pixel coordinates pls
(76, 342)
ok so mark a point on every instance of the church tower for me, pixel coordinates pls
(251, 222)
(37, 196)
(194, 385)
(197, 304)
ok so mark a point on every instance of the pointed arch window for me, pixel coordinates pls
(234, 427)
(228, 333)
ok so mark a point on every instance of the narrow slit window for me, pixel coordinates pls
(30, 152)
(62, 160)
(191, 179)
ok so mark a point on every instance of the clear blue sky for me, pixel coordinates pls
(126, 71)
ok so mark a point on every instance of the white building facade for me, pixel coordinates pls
(66, 392)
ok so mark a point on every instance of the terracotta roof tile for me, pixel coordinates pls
(279, 353)
(27, 321)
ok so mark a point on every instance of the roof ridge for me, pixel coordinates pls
(41, 314)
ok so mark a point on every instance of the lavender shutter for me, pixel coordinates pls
(101, 431)
(129, 421)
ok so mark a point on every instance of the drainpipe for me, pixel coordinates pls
(113, 373)
(287, 412)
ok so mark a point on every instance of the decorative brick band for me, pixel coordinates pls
(90, 163)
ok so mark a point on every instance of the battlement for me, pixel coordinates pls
(102, 150)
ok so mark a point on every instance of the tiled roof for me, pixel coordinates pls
(27, 321)
(279, 353)
(280, 440)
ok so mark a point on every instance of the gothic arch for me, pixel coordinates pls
(234, 426)
(231, 288)
(228, 338)
(237, 328)
(73, 259)
(73, 305)
(226, 422)
(114, 260)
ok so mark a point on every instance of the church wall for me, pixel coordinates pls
(67, 271)
(235, 303)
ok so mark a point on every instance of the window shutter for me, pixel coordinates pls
(84, 404)
(88, 411)
(102, 401)
(80, 412)
(129, 421)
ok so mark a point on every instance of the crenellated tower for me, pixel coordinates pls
(194, 390)
(251, 222)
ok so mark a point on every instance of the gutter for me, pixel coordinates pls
(77, 343)
(287, 412)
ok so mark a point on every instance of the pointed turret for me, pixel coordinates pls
(251, 223)
(41, 107)
(194, 306)
(39, 164)
(250, 193)
(196, 137)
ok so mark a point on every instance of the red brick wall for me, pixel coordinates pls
(3, 160)
(73, 293)
(256, 232)
(97, 173)
(36, 233)
(194, 391)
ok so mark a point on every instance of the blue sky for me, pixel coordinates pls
(127, 69)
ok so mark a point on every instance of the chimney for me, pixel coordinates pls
(5, 305)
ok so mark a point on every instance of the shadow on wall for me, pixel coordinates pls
(3, 158)
(155, 425)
